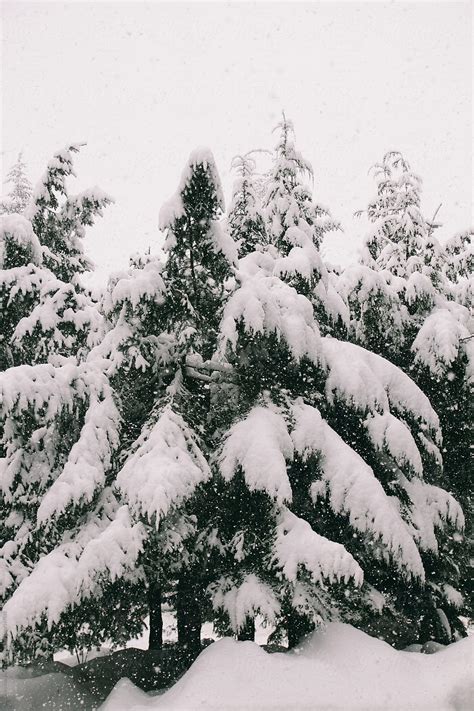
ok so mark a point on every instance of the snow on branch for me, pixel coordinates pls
(265, 305)
(39, 387)
(389, 433)
(298, 546)
(47, 590)
(244, 600)
(303, 261)
(165, 467)
(260, 446)
(352, 488)
(137, 285)
(356, 386)
(441, 338)
(222, 242)
(81, 209)
(88, 461)
(112, 553)
(18, 231)
(372, 382)
(432, 508)
(103, 546)
(61, 309)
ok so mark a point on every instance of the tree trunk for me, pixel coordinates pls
(155, 637)
(247, 633)
(297, 627)
(188, 616)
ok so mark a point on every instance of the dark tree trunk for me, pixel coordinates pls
(248, 631)
(155, 638)
(297, 627)
(188, 616)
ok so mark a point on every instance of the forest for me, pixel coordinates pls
(234, 431)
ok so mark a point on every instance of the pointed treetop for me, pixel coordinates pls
(402, 239)
(53, 181)
(20, 193)
(59, 219)
(290, 163)
(201, 161)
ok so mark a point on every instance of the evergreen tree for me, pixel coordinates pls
(406, 278)
(459, 267)
(313, 420)
(159, 318)
(20, 194)
(48, 403)
(214, 446)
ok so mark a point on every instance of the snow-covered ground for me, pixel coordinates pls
(337, 668)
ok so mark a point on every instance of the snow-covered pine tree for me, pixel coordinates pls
(22, 277)
(45, 310)
(51, 403)
(159, 465)
(305, 409)
(197, 276)
(20, 193)
(245, 219)
(402, 289)
(161, 316)
(44, 307)
(309, 507)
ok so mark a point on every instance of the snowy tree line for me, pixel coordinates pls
(237, 428)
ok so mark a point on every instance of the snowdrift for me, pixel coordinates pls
(338, 667)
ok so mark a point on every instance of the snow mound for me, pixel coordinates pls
(338, 667)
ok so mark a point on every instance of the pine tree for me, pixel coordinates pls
(308, 503)
(22, 278)
(45, 310)
(51, 404)
(214, 447)
(406, 271)
(21, 191)
(306, 408)
(146, 482)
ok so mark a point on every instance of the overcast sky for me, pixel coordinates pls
(145, 82)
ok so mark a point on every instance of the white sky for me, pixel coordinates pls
(145, 83)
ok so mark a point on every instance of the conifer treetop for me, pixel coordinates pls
(21, 191)
(401, 234)
(175, 207)
(59, 219)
